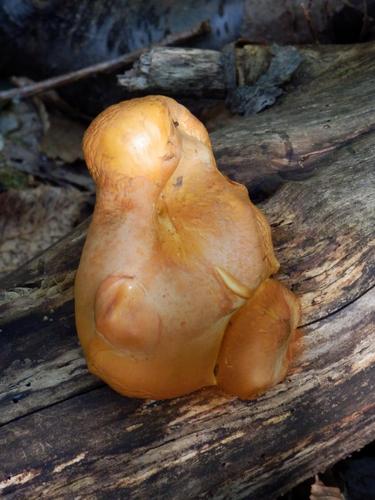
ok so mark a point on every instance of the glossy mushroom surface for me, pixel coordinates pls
(173, 292)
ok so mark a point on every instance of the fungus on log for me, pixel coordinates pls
(172, 292)
(81, 434)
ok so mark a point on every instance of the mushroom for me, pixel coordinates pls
(173, 293)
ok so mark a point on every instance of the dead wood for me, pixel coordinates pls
(194, 72)
(219, 446)
(181, 71)
(289, 140)
(328, 104)
(323, 230)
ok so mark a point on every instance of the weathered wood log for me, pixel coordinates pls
(319, 116)
(249, 77)
(194, 72)
(323, 229)
(39, 38)
(82, 437)
(183, 71)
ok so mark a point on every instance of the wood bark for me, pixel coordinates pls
(65, 434)
(316, 117)
(195, 72)
(328, 104)
(183, 71)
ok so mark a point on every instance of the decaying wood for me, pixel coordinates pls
(323, 230)
(317, 117)
(63, 432)
(184, 71)
(112, 65)
(329, 105)
(212, 445)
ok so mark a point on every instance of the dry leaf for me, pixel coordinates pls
(22, 131)
(63, 139)
(33, 219)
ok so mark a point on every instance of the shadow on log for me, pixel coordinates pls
(80, 434)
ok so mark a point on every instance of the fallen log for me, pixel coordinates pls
(249, 77)
(183, 71)
(195, 72)
(317, 117)
(323, 230)
(80, 434)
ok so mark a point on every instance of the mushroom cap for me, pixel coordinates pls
(174, 250)
(139, 138)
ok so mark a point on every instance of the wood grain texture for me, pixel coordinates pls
(64, 434)
(329, 104)
(196, 72)
(323, 230)
(179, 71)
(319, 116)
(213, 444)
(260, 448)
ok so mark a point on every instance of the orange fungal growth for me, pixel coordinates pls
(173, 292)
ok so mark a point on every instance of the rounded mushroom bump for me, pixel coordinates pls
(173, 292)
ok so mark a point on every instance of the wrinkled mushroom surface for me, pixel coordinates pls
(173, 292)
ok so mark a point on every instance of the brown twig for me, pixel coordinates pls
(106, 66)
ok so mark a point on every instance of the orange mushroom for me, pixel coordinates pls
(173, 292)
